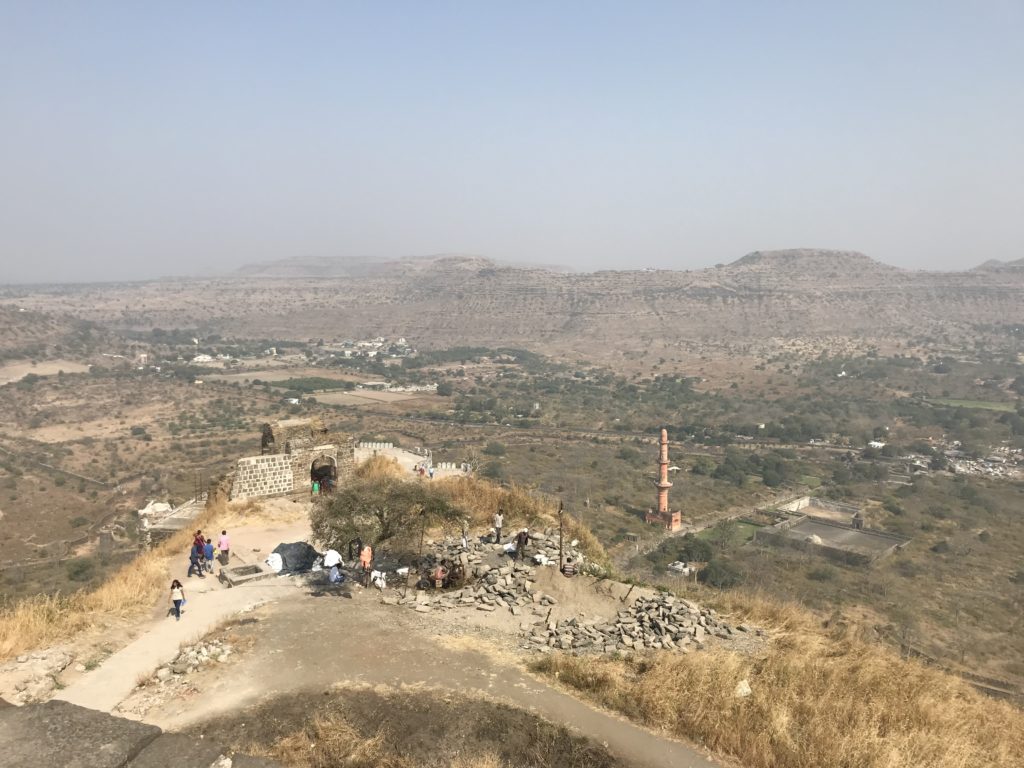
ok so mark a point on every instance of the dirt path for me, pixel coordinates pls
(309, 643)
(208, 603)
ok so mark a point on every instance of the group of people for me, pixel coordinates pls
(200, 561)
(200, 558)
(521, 539)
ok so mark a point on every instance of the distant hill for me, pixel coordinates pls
(367, 266)
(810, 261)
(994, 265)
(43, 335)
(447, 300)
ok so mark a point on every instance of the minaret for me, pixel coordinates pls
(663, 484)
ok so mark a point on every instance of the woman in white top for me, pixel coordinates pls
(177, 598)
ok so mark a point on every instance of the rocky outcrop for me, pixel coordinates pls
(61, 734)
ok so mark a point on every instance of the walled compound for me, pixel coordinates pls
(830, 529)
(295, 452)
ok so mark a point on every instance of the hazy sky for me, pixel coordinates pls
(140, 139)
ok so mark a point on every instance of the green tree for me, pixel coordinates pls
(380, 510)
(720, 573)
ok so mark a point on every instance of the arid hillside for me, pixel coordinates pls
(437, 302)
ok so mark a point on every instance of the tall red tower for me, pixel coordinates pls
(672, 521)
(663, 484)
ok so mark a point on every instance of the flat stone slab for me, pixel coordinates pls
(59, 733)
(175, 750)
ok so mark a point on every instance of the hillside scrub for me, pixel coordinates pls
(381, 504)
(364, 728)
(40, 620)
(828, 700)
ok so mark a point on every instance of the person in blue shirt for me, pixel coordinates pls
(208, 554)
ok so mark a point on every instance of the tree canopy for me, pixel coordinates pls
(381, 510)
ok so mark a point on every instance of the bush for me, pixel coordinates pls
(493, 471)
(495, 448)
(822, 573)
(720, 573)
(80, 569)
(695, 549)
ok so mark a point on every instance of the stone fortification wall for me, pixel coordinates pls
(282, 473)
(269, 475)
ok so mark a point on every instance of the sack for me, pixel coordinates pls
(183, 601)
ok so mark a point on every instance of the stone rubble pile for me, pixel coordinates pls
(542, 550)
(192, 657)
(493, 581)
(35, 674)
(507, 587)
(662, 621)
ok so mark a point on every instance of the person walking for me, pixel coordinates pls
(522, 539)
(193, 561)
(224, 545)
(208, 555)
(499, 519)
(177, 598)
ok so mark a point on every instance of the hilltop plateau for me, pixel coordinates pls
(452, 300)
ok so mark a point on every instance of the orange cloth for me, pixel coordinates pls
(366, 556)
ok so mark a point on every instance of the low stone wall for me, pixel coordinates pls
(257, 476)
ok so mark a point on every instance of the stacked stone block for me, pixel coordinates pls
(269, 475)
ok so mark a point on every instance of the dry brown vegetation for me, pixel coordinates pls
(134, 588)
(823, 699)
(479, 499)
(363, 728)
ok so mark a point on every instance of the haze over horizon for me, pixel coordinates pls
(140, 141)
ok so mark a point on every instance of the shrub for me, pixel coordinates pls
(821, 573)
(80, 569)
(720, 573)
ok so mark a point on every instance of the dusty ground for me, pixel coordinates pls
(298, 644)
(313, 641)
(17, 371)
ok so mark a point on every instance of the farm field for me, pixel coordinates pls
(12, 372)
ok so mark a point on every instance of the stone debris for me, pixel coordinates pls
(659, 622)
(192, 657)
(35, 675)
(495, 583)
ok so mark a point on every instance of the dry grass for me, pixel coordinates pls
(329, 741)
(521, 506)
(380, 468)
(823, 700)
(45, 619)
